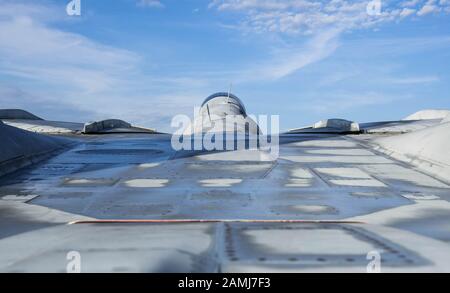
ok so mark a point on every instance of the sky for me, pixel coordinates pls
(146, 61)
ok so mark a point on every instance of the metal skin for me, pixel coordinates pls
(130, 203)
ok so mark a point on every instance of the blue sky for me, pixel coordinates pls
(145, 60)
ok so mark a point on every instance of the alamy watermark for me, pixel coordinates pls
(73, 262)
(73, 8)
(228, 133)
(374, 8)
(374, 265)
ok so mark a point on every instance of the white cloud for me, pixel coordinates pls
(150, 3)
(75, 74)
(298, 16)
(411, 3)
(27, 44)
(41, 105)
(322, 21)
(407, 12)
(289, 61)
(429, 7)
(311, 16)
(344, 101)
(262, 4)
(414, 80)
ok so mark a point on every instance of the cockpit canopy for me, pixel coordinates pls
(223, 112)
(222, 104)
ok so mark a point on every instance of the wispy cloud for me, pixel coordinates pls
(311, 16)
(80, 75)
(431, 6)
(45, 66)
(32, 49)
(150, 3)
(41, 105)
(289, 61)
(322, 21)
(407, 12)
(414, 80)
(343, 102)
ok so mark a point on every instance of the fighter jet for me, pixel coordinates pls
(336, 196)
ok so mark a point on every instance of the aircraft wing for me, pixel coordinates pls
(127, 203)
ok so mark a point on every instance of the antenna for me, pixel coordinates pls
(229, 93)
